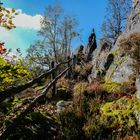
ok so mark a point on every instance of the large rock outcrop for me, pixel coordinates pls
(109, 62)
(133, 24)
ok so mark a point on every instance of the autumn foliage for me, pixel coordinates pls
(6, 17)
(2, 49)
(6, 21)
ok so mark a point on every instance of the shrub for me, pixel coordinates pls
(95, 89)
(128, 88)
(88, 67)
(114, 120)
(122, 116)
(79, 88)
(100, 117)
(80, 70)
(94, 128)
(63, 90)
(71, 122)
(112, 87)
(62, 84)
(12, 74)
(118, 90)
(35, 125)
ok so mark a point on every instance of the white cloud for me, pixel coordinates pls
(24, 34)
(6, 36)
(27, 21)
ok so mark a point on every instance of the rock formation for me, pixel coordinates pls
(109, 61)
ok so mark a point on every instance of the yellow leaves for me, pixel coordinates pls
(2, 62)
(7, 11)
(14, 56)
(7, 27)
(11, 73)
(10, 21)
(1, 14)
(6, 17)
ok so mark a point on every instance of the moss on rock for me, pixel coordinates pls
(124, 111)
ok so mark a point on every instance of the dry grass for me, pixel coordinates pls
(88, 67)
(79, 70)
(62, 83)
(94, 87)
(79, 88)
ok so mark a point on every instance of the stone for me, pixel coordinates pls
(61, 105)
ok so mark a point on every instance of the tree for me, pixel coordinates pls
(11, 71)
(115, 19)
(68, 32)
(57, 34)
(6, 17)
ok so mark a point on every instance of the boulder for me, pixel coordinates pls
(61, 105)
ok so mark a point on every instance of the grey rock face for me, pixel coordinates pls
(120, 70)
(133, 24)
(124, 69)
(99, 59)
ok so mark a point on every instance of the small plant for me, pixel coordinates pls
(62, 83)
(112, 87)
(94, 89)
(63, 90)
(80, 70)
(71, 122)
(88, 67)
(128, 88)
(121, 115)
(79, 88)
(12, 74)
(46, 108)
(35, 125)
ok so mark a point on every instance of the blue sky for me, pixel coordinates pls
(90, 13)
